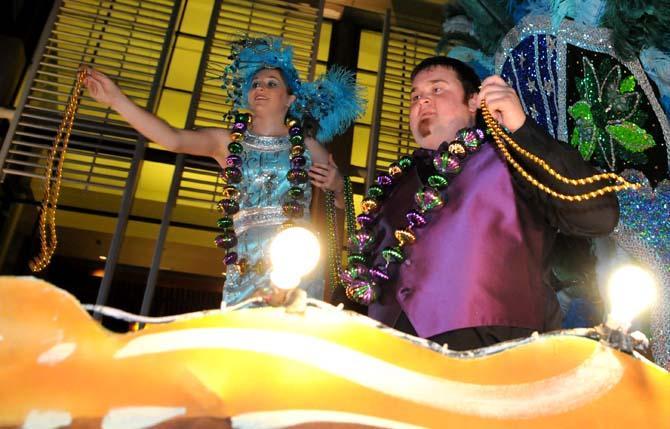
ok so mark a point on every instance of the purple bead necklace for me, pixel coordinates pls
(363, 281)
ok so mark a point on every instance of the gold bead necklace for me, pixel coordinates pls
(501, 138)
(47, 221)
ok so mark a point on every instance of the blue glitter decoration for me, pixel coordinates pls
(644, 232)
(647, 212)
(531, 69)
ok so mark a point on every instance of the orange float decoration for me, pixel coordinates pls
(271, 368)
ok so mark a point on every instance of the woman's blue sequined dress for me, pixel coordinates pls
(262, 191)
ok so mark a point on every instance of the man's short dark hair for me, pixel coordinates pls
(466, 75)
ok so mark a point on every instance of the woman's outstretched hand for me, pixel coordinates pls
(102, 88)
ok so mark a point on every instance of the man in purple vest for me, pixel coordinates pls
(477, 273)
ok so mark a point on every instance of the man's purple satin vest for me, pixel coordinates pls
(478, 262)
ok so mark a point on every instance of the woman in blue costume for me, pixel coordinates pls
(257, 155)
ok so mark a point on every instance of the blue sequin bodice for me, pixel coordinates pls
(263, 189)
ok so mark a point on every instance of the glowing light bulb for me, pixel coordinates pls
(631, 291)
(294, 252)
(283, 279)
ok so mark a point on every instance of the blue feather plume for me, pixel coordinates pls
(665, 102)
(560, 9)
(481, 63)
(520, 9)
(657, 65)
(334, 100)
(589, 12)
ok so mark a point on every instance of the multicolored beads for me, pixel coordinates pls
(232, 175)
(334, 253)
(363, 281)
(297, 176)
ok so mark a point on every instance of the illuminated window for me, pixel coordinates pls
(324, 42)
(184, 63)
(176, 95)
(366, 74)
(196, 17)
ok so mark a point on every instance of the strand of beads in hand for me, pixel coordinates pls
(47, 220)
(502, 139)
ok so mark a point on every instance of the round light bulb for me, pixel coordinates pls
(631, 291)
(284, 280)
(294, 252)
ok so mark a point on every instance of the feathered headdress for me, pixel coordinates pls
(333, 100)
(249, 55)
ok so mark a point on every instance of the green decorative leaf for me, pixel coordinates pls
(631, 137)
(608, 122)
(587, 146)
(582, 139)
(589, 83)
(627, 85)
(574, 138)
(581, 110)
(609, 89)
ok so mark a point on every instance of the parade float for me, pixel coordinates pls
(283, 360)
